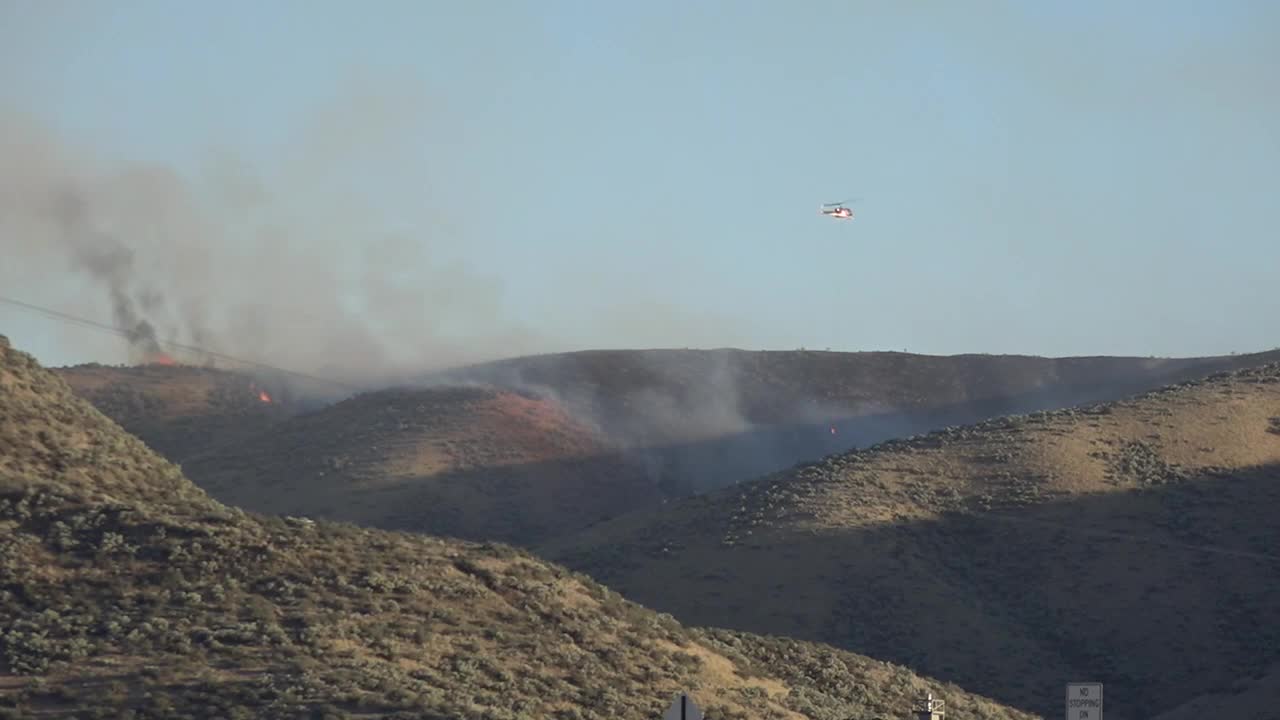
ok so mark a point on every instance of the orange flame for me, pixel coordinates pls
(263, 396)
(161, 359)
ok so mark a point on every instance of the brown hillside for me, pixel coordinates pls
(656, 397)
(129, 593)
(700, 420)
(471, 462)
(180, 410)
(662, 397)
(578, 438)
(1133, 543)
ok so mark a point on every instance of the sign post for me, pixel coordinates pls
(1084, 701)
(683, 709)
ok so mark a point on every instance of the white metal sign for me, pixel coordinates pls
(1084, 701)
(683, 709)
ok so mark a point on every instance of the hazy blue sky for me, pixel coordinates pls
(1034, 177)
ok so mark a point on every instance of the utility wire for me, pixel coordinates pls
(84, 322)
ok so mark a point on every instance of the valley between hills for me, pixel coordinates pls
(784, 535)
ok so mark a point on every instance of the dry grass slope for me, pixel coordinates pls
(1132, 542)
(773, 387)
(501, 464)
(472, 462)
(178, 410)
(129, 593)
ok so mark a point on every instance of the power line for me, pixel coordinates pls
(122, 332)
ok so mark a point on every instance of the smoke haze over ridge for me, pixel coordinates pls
(298, 277)
(294, 270)
(303, 268)
(555, 177)
(224, 263)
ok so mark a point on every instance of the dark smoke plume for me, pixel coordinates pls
(110, 263)
(301, 277)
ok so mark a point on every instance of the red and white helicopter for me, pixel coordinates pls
(836, 210)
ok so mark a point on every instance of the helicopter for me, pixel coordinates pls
(836, 210)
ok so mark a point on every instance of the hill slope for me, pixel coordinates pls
(1133, 543)
(129, 593)
(657, 397)
(180, 410)
(471, 462)
(562, 441)
(1255, 697)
